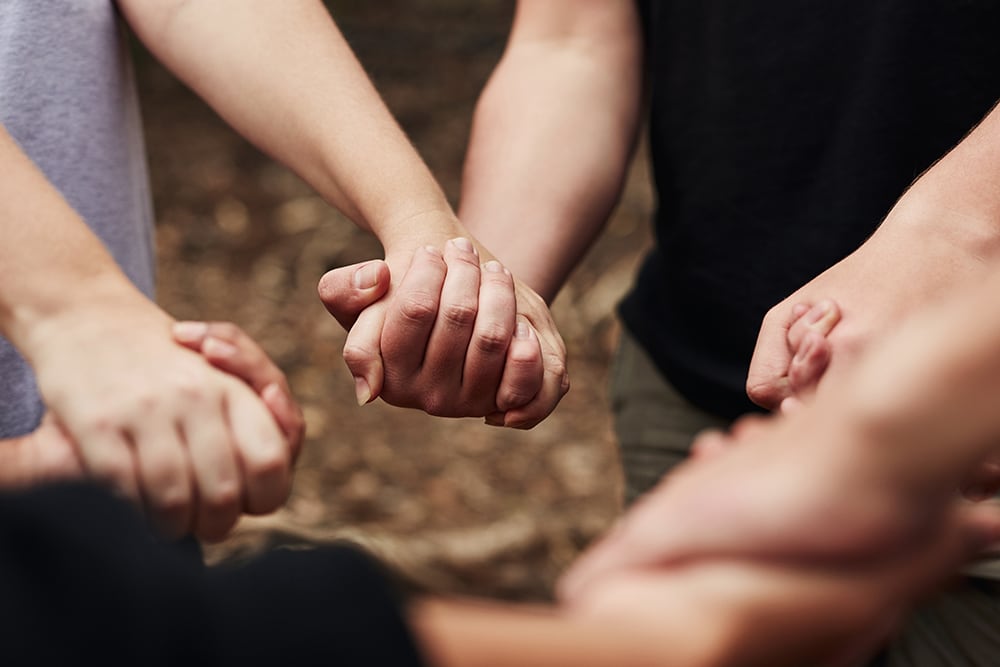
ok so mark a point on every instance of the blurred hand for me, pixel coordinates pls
(773, 613)
(157, 422)
(770, 490)
(453, 338)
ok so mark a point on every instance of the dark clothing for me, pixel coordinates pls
(782, 132)
(84, 582)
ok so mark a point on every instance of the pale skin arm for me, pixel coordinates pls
(944, 230)
(281, 73)
(192, 445)
(553, 134)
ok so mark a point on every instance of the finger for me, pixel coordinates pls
(261, 452)
(108, 458)
(242, 357)
(190, 334)
(214, 465)
(458, 312)
(492, 337)
(229, 348)
(820, 319)
(555, 384)
(411, 314)
(164, 475)
(767, 378)
(363, 354)
(523, 373)
(709, 444)
(555, 378)
(809, 363)
(54, 453)
(287, 413)
(348, 290)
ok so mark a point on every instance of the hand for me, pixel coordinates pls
(228, 348)
(780, 613)
(755, 494)
(45, 455)
(155, 421)
(905, 264)
(447, 339)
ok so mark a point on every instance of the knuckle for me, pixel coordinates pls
(555, 364)
(268, 462)
(439, 405)
(419, 308)
(459, 315)
(763, 393)
(356, 355)
(511, 398)
(493, 341)
(172, 500)
(191, 390)
(225, 496)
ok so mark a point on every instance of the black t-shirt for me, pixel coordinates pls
(83, 582)
(781, 133)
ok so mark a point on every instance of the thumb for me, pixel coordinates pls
(348, 290)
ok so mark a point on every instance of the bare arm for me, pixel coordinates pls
(191, 444)
(282, 74)
(553, 134)
(939, 234)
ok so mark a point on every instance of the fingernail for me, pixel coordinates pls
(362, 390)
(366, 277)
(463, 244)
(215, 347)
(189, 332)
(493, 266)
(522, 330)
(432, 250)
(819, 311)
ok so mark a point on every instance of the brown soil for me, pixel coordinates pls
(460, 506)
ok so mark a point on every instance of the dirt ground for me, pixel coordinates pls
(460, 506)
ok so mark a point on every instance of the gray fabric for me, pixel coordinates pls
(68, 98)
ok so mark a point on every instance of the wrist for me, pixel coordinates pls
(101, 301)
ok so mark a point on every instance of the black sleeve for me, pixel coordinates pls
(83, 582)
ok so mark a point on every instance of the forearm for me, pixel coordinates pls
(958, 198)
(281, 73)
(552, 136)
(49, 260)
(455, 633)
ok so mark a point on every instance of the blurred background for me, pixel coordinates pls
(458, 506)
